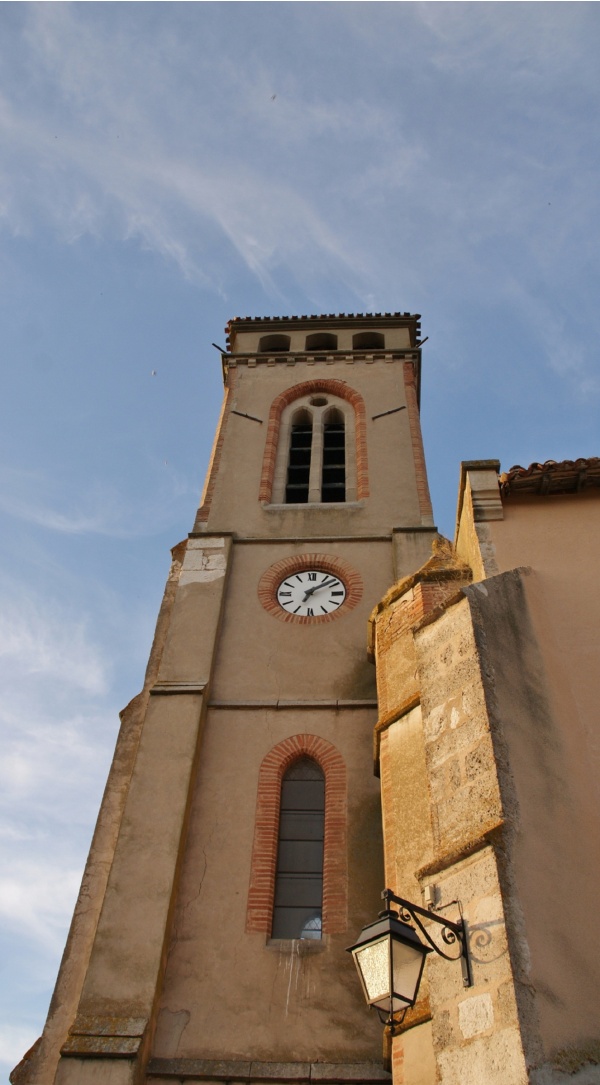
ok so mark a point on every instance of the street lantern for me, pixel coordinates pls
(390, 957)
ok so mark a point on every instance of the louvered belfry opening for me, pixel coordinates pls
(298, 902)
(333, 486)
(298, 474)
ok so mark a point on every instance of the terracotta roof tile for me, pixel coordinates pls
(551, 477)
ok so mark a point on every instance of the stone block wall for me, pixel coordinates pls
(442, 809)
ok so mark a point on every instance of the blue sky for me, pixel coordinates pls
(164, 167)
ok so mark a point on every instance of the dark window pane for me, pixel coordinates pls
(299, 890)
(333, 481)
(300, 856)
(299, 879)
(298, 474)
(296, 923)
(299, 457)
(300, 825)
(302, 795)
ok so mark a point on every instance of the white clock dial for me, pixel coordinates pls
(311, 593)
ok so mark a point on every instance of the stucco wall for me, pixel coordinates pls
(242, 996)
(557, 536)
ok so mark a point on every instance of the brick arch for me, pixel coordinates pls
(333, 388)
(266, 832)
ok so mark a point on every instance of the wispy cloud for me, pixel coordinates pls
(36, 900)
(97, 509)
(54, 677)
(58, 722)
(34, 642)
(381, 184)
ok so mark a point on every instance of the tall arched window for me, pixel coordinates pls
(298, 904)
(316, 456)
(291, 753)
(318, 397)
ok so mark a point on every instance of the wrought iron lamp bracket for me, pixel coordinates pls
(451, 932)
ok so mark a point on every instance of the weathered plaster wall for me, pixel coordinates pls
(390, 438)
(557, 536)
(261, 658)
(548, 783)
(244, 996)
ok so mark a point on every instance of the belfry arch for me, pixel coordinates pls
(314, 388)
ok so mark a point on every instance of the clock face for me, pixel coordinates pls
(311, 593)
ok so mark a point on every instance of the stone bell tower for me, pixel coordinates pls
(238, 847)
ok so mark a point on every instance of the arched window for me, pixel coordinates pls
(345, 451)
(368, 341)
(298, 904)
(316, 460)
(292, 753)
(321, 341)
(274, 344)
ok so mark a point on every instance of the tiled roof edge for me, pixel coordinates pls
(323, 316)
(236, 321)
(552, 477)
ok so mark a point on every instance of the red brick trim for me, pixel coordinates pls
(272, 577)
(264, 852)
(215, 456)
(416, 437)
(397, 1061)
(334, 388)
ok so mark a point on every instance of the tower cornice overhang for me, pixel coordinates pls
(331, 320)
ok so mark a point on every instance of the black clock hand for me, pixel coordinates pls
(323, 584)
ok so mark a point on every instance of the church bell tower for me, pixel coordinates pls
(238, 848)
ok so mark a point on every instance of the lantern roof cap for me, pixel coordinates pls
(389, 923)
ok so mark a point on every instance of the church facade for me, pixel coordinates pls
(269, 780)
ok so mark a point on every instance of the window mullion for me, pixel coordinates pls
(316, 461)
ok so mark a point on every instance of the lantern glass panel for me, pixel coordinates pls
(373, 962)
(407, 967)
